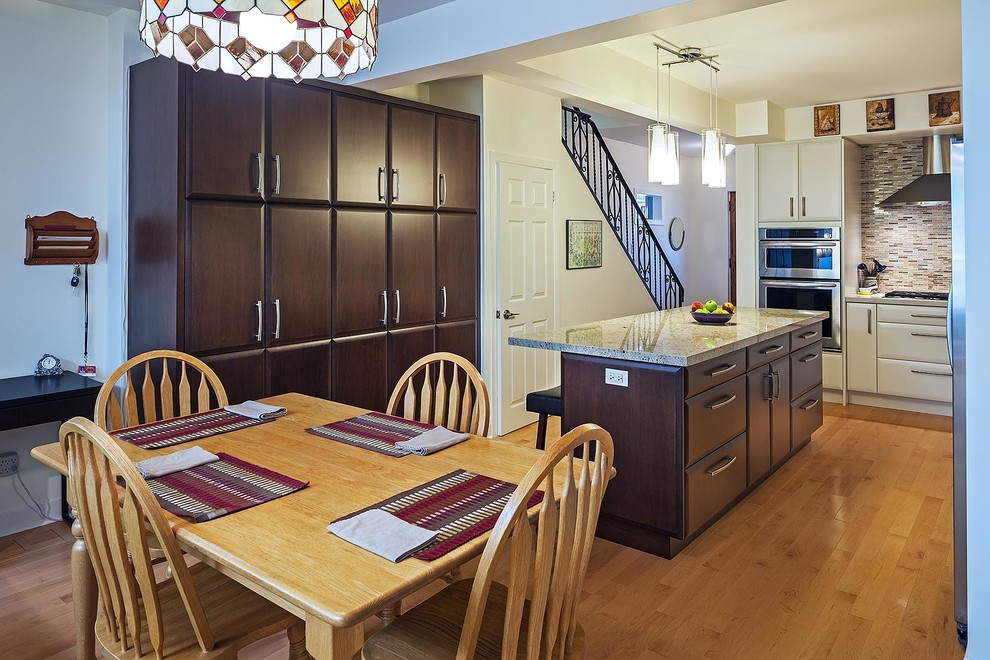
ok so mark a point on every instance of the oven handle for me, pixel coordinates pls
(799, 285)
(794, 244)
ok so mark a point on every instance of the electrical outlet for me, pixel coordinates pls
(8, 463)
(617, 377)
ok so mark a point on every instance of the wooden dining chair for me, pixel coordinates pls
(443, 389)
(535, 614)
(157, 398)
(199, 613)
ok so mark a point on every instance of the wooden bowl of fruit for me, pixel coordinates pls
(711, 313)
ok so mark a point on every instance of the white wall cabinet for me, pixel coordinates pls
(861, 347)
(800, 181)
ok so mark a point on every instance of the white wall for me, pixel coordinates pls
(63, 132)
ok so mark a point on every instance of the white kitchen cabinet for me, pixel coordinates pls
(800, 181)
(915, 380)
(861, 347)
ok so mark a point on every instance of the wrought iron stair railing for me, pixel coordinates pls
(594, 161)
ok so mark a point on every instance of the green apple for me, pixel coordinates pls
(711, 306)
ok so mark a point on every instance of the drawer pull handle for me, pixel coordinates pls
(772, 349)
(927, 334)
(724, 402)
(714, 471)
(929, 373)
(811, 404)
(808, 335)
(719, 372)
(927, 316)
(810, 358)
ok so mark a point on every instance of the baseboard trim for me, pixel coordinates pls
(23, 518)
(901, 403)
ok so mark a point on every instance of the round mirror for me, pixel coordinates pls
(676, 234)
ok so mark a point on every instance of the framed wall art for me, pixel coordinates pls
(944, 109)
(584, 244)
(880, 115)
(826, 120)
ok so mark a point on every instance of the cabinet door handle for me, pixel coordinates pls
(804, 206)
(810, 405)
(929, 373)
(869, 321)
(443, 297)
(810, 358)
(719, 372)
(278, 174)
(769, 395)
(395, 185)
(398, 306)
(771, 349)
(809, 335)
(278, 318)
(927, 334)
(443, 189)
(257, 335)
(792, 207)
(384, 296)
(724, 402)
(776, 385)
(927, 316)
(714, 471)
(257, 160)
(381, 184)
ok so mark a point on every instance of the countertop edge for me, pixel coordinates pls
(881, 300)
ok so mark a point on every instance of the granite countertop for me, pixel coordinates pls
(852, 296)
(671, 336)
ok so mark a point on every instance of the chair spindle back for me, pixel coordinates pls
(443, 389)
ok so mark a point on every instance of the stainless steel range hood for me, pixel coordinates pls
(934, 186)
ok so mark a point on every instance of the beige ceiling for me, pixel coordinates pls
(805, 52)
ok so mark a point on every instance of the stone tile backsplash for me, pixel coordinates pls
(915, 242)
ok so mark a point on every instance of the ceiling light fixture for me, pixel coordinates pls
(712, 140)
(663, 164)
(294, 39)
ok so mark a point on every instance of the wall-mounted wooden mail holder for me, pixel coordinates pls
(61, 238)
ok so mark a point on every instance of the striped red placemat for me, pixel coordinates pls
(221, 487)
(375, 431)
(177, 430)
(459, 506)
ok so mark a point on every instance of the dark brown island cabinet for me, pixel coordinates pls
(700, 415)
(304, 238)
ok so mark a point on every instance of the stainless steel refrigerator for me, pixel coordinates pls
(957, 355)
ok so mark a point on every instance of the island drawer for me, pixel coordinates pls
(918, 314)
(767, 351)
(714, 482)
(806, 369)
(708, 374)
(806, 415)
(908, 341)
(917, 380)
(806, 335)
(715, 416)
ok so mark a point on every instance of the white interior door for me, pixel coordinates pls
(526, 250)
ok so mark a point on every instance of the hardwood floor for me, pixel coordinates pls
(843, 553)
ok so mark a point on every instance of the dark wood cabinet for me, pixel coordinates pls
(360, 299)
(299, 295)
(225, 276)
(457, 266)
(780, 418)
(360, 143)
(457, 163)
(359, 371)
(405, 347)
(760, 395)
(242, 374)
(412, 171)
(302, 368)
(299, 144)
(459, 338)
(226, 136)
(412, 285)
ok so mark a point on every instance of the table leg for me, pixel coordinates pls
(83, 596)
(326, 642)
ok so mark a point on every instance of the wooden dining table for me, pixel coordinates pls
(282, 550)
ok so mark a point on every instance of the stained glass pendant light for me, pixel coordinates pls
(663, 165)
(713, 142)
(265, 38)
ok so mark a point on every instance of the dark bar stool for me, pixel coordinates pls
(546, 403)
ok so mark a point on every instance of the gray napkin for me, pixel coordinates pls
(432, 441)
(255, 410)
(383, 534)
(177, 461)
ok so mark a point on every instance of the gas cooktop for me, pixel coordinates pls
(918, 295)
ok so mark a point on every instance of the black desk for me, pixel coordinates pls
(30, 400)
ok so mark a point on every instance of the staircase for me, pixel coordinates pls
(591, 156)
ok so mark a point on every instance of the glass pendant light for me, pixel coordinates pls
(663, 165)
(712, 141)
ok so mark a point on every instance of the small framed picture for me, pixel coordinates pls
(826, 120)
(584, 244)
(880, 115)
(944, 109)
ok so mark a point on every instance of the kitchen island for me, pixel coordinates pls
(700, 414)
